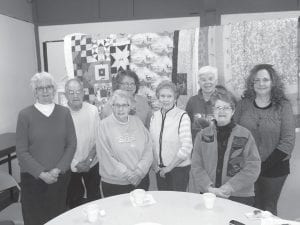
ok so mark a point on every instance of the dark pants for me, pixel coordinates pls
(244, 200)
(267, 192)
(115, 189)
(41, 201)
(176, 180)
(90, 181)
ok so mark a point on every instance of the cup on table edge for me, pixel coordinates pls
(209, 200)
(138, 196)
(92, 212)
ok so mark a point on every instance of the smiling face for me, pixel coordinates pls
(223, 112)
(128, 85)
(44, 91)
(207, 82)
(166, 98)
(262, 83)
(121, 108)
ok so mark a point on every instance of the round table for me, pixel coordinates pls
(171, 208)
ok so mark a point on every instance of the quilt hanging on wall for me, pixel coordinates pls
(96, 60)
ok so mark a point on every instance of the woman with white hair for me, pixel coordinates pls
(124, 148)
(45, 145)
(199, 107)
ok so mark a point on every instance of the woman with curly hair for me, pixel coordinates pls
(267, 113)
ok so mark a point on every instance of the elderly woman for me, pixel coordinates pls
(266, 112)
(170, 129)
(45, 146)
(199, 107)
(128, 81)
(225, 159)
(124, 148)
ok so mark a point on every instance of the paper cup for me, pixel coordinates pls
(92, 212)
(209, 200)
(138, 196)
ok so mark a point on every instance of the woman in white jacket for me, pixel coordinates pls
(170, 129)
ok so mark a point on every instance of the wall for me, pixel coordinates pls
(19, 9)
(288, 205)
(17, 65)
(58, 32)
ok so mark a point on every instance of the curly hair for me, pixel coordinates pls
(117, 81)
(277, 88)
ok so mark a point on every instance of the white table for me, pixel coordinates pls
(171, 208)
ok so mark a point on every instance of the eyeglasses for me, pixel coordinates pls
(119, 106)
(47, 88)
(222, 108)
(263, 80)
(71, 92)
(128, 84)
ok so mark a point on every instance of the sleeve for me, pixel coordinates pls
(238, 112)
(107, 160)
(188, 109)
(26, 160)
(199, 178)
(251, 169)
(147, 156)
(70, 145)
(185, 138)
(287, 130)
(276, 156)
(105, 111)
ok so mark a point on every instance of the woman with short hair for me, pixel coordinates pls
(128, 80)
(124, 148)
(199, 107)
(45, 145)
(225, 159)
(267, 113)
(170, 129)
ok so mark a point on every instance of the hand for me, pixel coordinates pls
(226, 189)
(218, 192)
(55, 172)
(82, 167)
(155, 167)
(135, 178)
(163, 171)
(47, 178)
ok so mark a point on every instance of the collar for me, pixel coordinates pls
(45, 109)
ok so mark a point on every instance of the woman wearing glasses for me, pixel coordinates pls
(128, 81)
(124, 148)
(171, 132)
(225, 159)
(45, 146)
(266, 112)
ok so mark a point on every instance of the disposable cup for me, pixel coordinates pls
(209, 200)
(138, 196)
(92, 212)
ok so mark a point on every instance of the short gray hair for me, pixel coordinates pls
(166, 84)
(73, 80)
(39, 77)
(208, 69)
(120, 94)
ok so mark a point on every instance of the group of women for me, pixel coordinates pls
(240, 152)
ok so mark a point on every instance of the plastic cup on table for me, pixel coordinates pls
(209, 200)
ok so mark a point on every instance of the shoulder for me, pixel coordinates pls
(27, 110)
(89, 107)
(193, 99)
(240, 130)
(62, 109)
